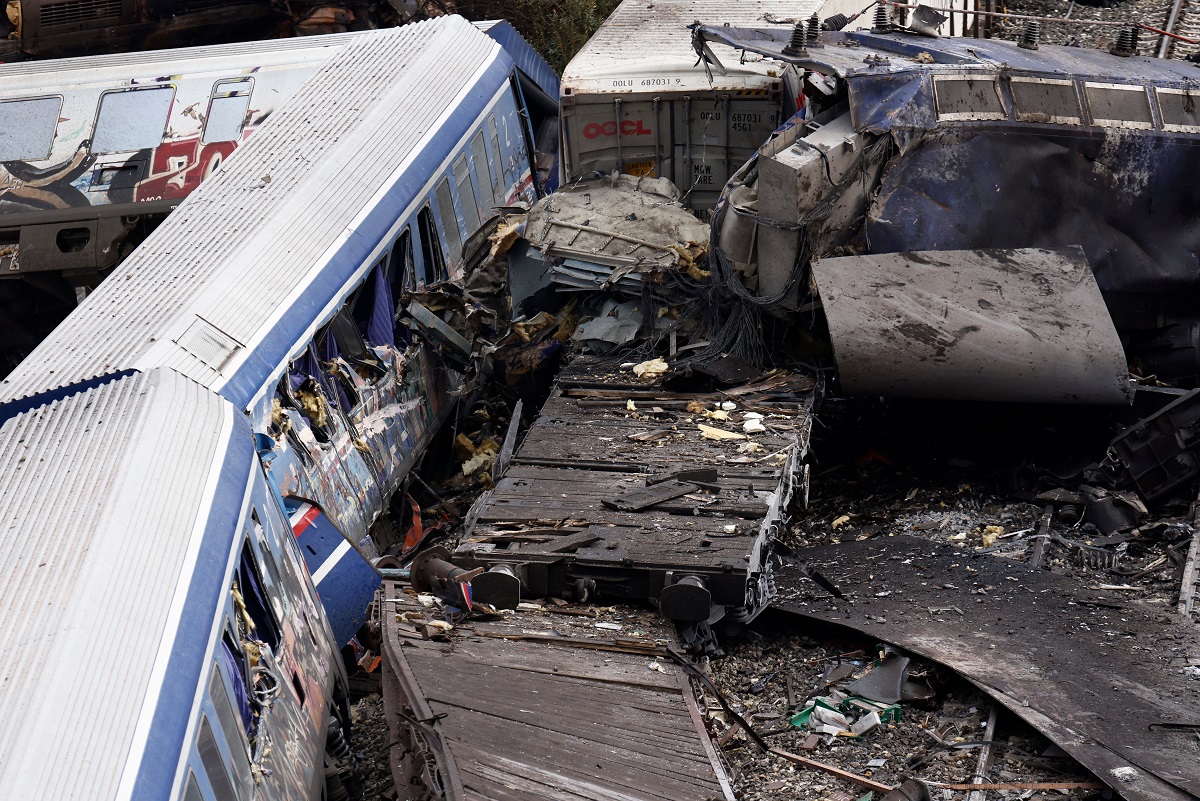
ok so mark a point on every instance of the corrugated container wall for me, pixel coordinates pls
(634, 99)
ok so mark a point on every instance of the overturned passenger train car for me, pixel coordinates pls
(263, 395)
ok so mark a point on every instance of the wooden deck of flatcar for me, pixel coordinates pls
(541, 703)
(593, 503)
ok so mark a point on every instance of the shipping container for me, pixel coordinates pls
(635, 100)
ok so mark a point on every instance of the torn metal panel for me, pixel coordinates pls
(504, 709)
(1160, 453)
(1095, 679)
(626, 229)
(1125, 196)
(997, 325)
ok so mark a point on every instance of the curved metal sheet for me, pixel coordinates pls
(998, 325)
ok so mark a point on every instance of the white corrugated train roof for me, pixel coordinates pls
(644, 40)
(216, 275)
(105, 496)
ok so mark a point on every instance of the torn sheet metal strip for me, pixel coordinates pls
(1018, 645)
(1024, 325)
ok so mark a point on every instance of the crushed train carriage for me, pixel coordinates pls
(972, 218)
(272, 294)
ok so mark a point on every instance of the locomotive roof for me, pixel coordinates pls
(643, 41)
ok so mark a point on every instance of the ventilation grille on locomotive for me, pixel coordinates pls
(66, 12)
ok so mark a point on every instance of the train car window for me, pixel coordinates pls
(373, 307)
(274, 584)
(449, 220)
(499, 155)
(254, 600)
(132, 120)
(431, 249)
(350, 344)
(340, 385)
(402, 270)
(27, 128)
(1121, 105)
(227, 111)
(1180, 111)
(485, 170)
(235, 668)
(1046, 100)
(298, 390)
(466, 194)
(235, 736)
(192, 793)
(214, 766)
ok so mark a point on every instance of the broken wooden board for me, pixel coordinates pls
(1091, 672)
(578, 461)
(494, 712)
(636, 500)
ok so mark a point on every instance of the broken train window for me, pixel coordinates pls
(301, 388)
(401, 269)
(374, 310)
(227, 111)
(448, 217)
(433, 262)
(257, 623)
(352, 365)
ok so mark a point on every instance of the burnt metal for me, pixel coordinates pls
(1110, 513)
(687, 600)
(1158, 454)
(1025, 325)
(1095, 702)
(885, 682)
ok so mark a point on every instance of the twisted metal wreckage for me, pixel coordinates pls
(962, 219)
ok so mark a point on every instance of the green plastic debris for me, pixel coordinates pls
(800, 719)
(888, 713)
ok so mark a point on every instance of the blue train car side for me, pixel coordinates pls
(272, 299)
(162, 637)
(277, 282)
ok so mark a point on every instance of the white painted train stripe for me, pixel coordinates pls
(140, 740)
(329, 564)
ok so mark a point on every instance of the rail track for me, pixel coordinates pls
(1184, 20)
